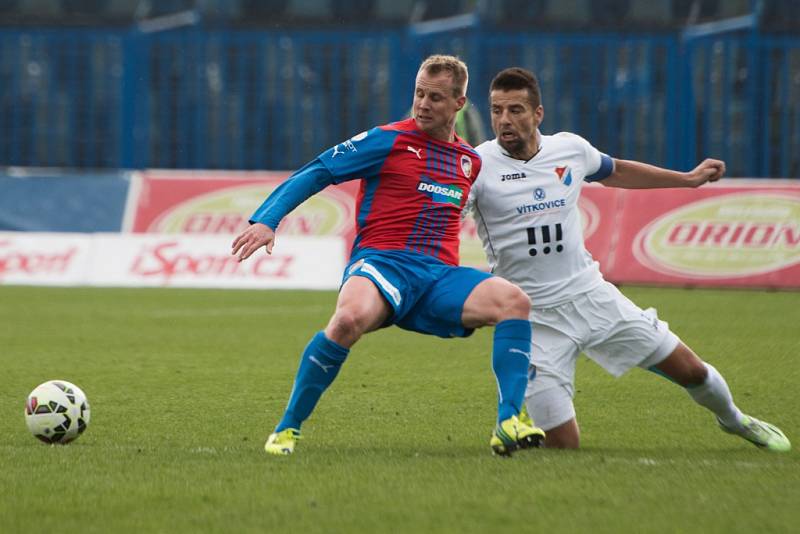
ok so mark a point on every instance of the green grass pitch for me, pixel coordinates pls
(185, 385)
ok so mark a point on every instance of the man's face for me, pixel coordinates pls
(435, 106)
(514, 121)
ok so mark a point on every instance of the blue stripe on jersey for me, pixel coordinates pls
(432, 161)
(426, 237)
(445, 160)
(605, 170)
(366, 206)
(433, 239)
(437, 232)
(428, 233)
(416, 230)
(415, 236)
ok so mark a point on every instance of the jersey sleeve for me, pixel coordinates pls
(470, 204)
(309, 180)
(598, 165)
(361, 156)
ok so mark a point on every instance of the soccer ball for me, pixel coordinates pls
(57, 412)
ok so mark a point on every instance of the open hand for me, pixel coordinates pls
(256, 236)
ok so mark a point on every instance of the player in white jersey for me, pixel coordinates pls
(525, 203)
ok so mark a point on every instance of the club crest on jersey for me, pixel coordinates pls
(564, 174)
(466, 165)
(440, 193)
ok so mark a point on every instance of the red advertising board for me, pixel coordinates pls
(744, 235)
(209, 202)
(737, 233)
(600, 211)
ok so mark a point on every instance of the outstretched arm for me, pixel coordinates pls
(636, 175)
(309, 180)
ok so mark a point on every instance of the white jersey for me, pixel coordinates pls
(527, 216)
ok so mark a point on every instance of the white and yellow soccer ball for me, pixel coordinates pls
(57, 412)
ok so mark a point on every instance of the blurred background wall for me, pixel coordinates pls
(249, 84)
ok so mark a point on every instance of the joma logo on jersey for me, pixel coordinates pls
(512, 176)
(443, 194)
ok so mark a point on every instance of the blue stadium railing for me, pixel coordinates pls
(199, 98)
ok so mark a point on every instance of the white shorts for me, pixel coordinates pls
(606, 326)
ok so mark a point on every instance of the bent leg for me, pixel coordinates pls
(702, 382)
(359, 309)
(494, 300)
(498, 302)
(708, 389)
(549, 402)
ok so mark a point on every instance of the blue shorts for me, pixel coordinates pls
(427, 295)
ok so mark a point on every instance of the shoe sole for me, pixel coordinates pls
(534, 441)
(279, 452)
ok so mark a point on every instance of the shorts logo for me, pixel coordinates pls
(356, 266)
(466, 165)
(564, 174)
(442, 194)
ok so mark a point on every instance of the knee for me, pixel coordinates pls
(515, 304)
(495, 300)
(345, 327)
(684, 367)
(697, 374)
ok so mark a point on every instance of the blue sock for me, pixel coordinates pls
(510, 361)
(319, 365)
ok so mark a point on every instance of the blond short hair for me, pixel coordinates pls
(451, 64)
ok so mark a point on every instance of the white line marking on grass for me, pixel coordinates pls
(250, 310)
(704, 462)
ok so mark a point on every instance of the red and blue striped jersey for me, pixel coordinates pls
(413, 188)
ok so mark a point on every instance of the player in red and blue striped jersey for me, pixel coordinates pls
(415, 177)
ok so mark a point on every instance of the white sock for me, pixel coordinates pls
(715, 395)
